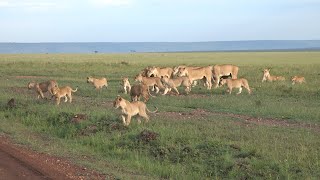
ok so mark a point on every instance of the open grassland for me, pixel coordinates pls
(273, 133)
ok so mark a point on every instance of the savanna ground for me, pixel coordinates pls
(273, 133)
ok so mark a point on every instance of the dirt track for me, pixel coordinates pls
(18, 162)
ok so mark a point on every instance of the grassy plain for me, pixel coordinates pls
(202, 135)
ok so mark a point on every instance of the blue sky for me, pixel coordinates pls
(158, 20)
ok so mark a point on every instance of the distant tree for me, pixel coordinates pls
(95, 51)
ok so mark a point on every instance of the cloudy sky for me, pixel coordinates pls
(158, 20)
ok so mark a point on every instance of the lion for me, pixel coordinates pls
(225, 77)
(43, 87)
(130, 109)
(145, 71)
(236, 83)
(204, 73)
(176, 70)
(63, 92)
(298, 79)
(176, 82)
(98, 83)
(158, 72)
(268, 77)
(138, 90)
(150, 81)
(224, 70)
(126, 85)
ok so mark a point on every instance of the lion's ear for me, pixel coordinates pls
(119, 97)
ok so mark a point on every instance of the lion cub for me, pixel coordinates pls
(97, 83)
(126, 85)
(298, 79)
(268, 77)
(176, 82)
(139, 90)
(236, 83)
(150, 81)
(130, 109)
(43, 87)
(63, 92)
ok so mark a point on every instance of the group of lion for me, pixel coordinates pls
(168, 79)
(51, 86)
(270, 78)
(158, 78)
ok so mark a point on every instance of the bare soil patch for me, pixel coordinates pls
(18, 162)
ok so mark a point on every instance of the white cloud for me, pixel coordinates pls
(102, 3)
(26, 3)
(61, 3)
(33, 5)
(4, 4)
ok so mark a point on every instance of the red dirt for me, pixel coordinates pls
(18, 162)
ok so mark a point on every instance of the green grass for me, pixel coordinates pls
(199, 147)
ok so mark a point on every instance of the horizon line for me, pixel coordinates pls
(159, 41)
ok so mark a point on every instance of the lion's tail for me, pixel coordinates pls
(74, 90)
(152, 111)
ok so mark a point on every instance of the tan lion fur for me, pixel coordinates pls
(298, 79)
(150, 81)
(126, 85)
(268, 77)
(98, 83)
(176, 82)
(145, 71)
(224, 70)
(158, 71)
(204, 73)
(130, 109)
(177, 68)
(139, 90)
(236, 83)
(65, 92)
(43, 87)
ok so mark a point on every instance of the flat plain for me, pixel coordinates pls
(273, 133)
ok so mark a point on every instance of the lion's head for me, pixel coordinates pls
(117, 102)
(89, 79)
